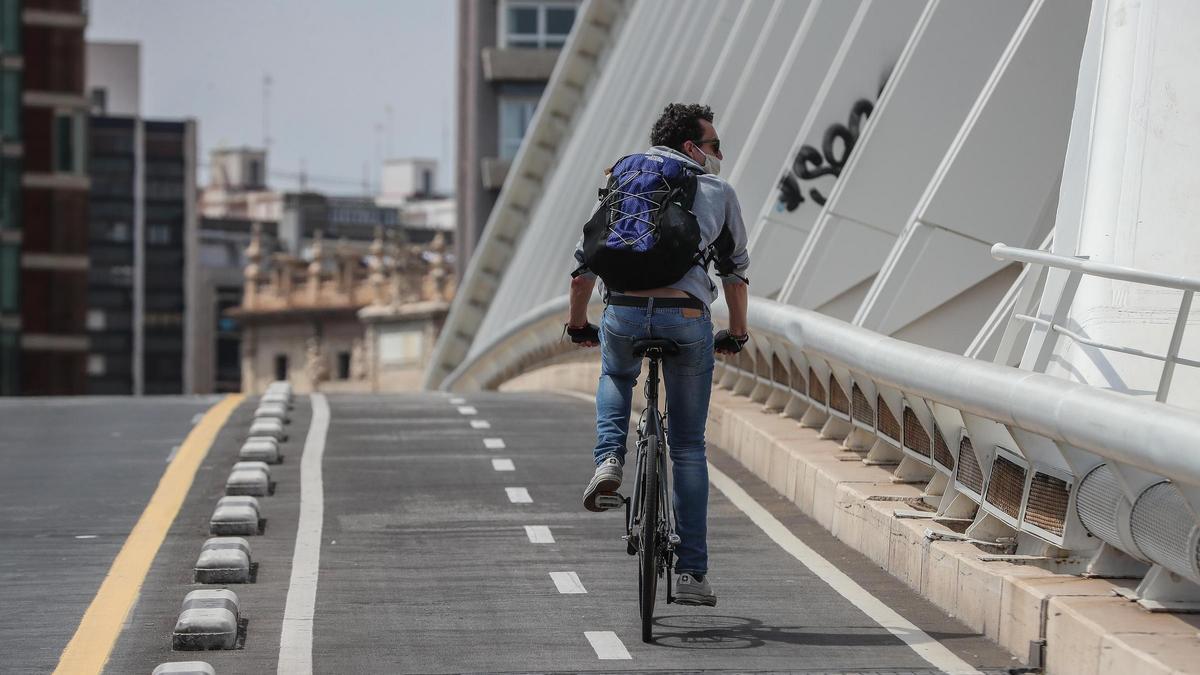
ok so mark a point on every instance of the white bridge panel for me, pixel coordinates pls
(955, 47)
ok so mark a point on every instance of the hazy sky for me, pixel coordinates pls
(335, 66)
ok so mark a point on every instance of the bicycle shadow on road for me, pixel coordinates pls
(714, 631)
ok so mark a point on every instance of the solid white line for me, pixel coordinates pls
(503, 465)
(519, 495)
(539, 534)
(481, 424)
(296, 638)
(607, 645)
(467, 410)
(494, 443)
(457, 400)
(567, 582)
(925, 646)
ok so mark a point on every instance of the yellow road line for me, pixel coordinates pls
(93, 642)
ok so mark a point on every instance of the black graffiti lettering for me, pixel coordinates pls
(810, 163)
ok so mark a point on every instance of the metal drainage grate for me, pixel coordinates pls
(798, 383)
(969, 473)
(888, 426)
(1006, 487)
(941, 451)
(915, 437)
(1048, 498)
(779, 373)
(762, 369)
(1162, 527)
(859, 408)
(1097, 503)
(837, 397)
(815, 391)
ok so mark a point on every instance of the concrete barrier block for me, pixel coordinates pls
(906, 555)
(254, 481)
(209, 620)
(224, 560)
(876, 537)
(235, 516)
(184, 668)
(277, 411)
(1024, 599)
(941, 573)
(268, 427)
(260, 449)
(277, 398)
(979, 590)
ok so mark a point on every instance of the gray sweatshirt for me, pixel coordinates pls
(716, 206)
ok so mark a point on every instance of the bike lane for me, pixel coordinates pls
(454, 541)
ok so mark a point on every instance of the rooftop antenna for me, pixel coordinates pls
(266, 111)
(366, 179)
(303, 176)
(389, 114)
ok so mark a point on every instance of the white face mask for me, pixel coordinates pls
(711, 163)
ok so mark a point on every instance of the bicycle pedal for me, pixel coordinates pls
(673, 539)
(610, 501)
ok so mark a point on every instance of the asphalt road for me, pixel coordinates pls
(75, 474)
(426, 565)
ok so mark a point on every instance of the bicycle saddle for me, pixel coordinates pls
(640, 347)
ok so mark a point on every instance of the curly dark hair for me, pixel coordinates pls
(680, 122)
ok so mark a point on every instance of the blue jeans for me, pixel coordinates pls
(688, 379)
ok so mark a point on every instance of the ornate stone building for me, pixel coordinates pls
(341, 321)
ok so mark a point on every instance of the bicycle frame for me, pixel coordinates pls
(653, 423)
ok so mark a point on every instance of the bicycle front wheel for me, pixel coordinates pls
(648, 538)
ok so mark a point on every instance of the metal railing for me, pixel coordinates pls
(1081, 267)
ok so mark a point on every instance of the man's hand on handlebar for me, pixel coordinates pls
(725, 342)
(587, 335)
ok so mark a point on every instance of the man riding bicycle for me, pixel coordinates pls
(678, 311)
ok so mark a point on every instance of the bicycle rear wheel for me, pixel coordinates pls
(648, 538)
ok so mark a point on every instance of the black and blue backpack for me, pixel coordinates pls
(644, 234)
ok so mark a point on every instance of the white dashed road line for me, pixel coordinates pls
(539, 534)
(467, 410)
(567, 582)
(481, 424)
(503, 465)
(296, 638)
(457, 400)
(518, 495)
(607, 645)
(494, 443)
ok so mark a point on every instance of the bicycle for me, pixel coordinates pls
(649, 518)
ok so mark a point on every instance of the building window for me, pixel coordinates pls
(68, 142)
(343, 365)
(96, 365)
(96, 319)
(537, 25)
(10, 193)
(10, 103)
(10, 27)
(427, 182)
(10, 277)
(119, 232)
(281, 367)
(158, 235)
(515, 115)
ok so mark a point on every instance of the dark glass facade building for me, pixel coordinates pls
(10, 196)
(142, 203)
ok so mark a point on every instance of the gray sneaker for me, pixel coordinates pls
(606, 480)
(692, 591)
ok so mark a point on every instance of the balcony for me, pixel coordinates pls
(518, 65)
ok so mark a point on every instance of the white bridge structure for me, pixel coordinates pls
(974, 247)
